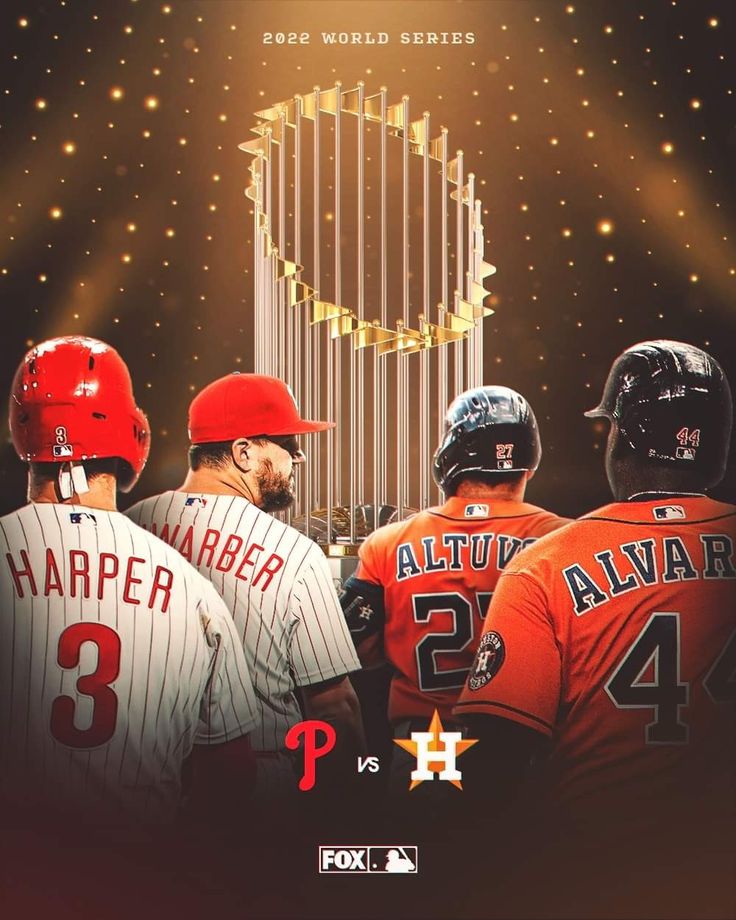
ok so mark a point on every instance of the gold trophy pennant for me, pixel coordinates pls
(441, 334)
(299, 292)
(477, 293)
(274, 113)
(456, 322)
(309, 104)
(328, 100)
(453, 171)
(287, 269)
(258, 146)
(275, 128)
(342, 325)
(485, 269)
(270, 114)
(405, 340)
(372, 106)
(323, 311)
(465, 192)
(318, 100)
(351, 101)
(395, 117)
(437, 147)
(418, 135)
(470, 312)
(340, 320)
(368, 334)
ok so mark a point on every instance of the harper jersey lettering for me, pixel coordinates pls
(422, 589)
(278, 586)
(116, 657)
(617, 638)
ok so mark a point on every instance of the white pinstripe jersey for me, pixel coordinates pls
(278, 586)
(116, 657)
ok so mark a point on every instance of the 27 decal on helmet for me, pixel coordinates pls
(671, 404)
(72, 400)
(489, 429)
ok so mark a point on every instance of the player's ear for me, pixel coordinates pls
(241, 451)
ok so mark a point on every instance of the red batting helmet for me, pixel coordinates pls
(72, 400)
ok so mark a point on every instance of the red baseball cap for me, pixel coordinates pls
(244, 405)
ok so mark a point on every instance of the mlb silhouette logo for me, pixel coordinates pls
(63, 450)
(505, 464)
(669, 513)
(393, 859)
(79, 517)
(476, 511)
(195, 502)
(685, 453)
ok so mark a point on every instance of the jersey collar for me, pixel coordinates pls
(652, 496)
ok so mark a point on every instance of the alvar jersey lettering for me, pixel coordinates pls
(436, 573)
(277, 584)
(116, 657)
(617, 638)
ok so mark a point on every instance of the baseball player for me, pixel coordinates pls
(243, 430)
(615, 641)
(422, 586)
(116, 656)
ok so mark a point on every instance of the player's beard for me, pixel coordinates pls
(277, 490)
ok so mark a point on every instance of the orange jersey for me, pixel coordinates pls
(617, 638)
(434, 574)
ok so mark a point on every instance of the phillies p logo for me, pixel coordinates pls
(312, 750)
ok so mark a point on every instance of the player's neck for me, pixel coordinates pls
(101, 494)
(210, 481)
(504, 492)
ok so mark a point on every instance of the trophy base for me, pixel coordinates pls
(366, 521)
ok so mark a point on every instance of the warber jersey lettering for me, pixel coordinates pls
(116, 657)
(423, 587)
(277, 584)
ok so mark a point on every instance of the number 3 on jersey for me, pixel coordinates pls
(658, 647)
(95, 685)
(455, 640)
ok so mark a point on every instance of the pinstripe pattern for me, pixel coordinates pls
(182, 677)
(290, 621)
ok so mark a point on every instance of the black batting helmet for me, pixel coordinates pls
(487, 430)
(671, 403)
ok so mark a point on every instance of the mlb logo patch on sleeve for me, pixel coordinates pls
(668, 512)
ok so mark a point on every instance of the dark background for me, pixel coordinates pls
(564, 111)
